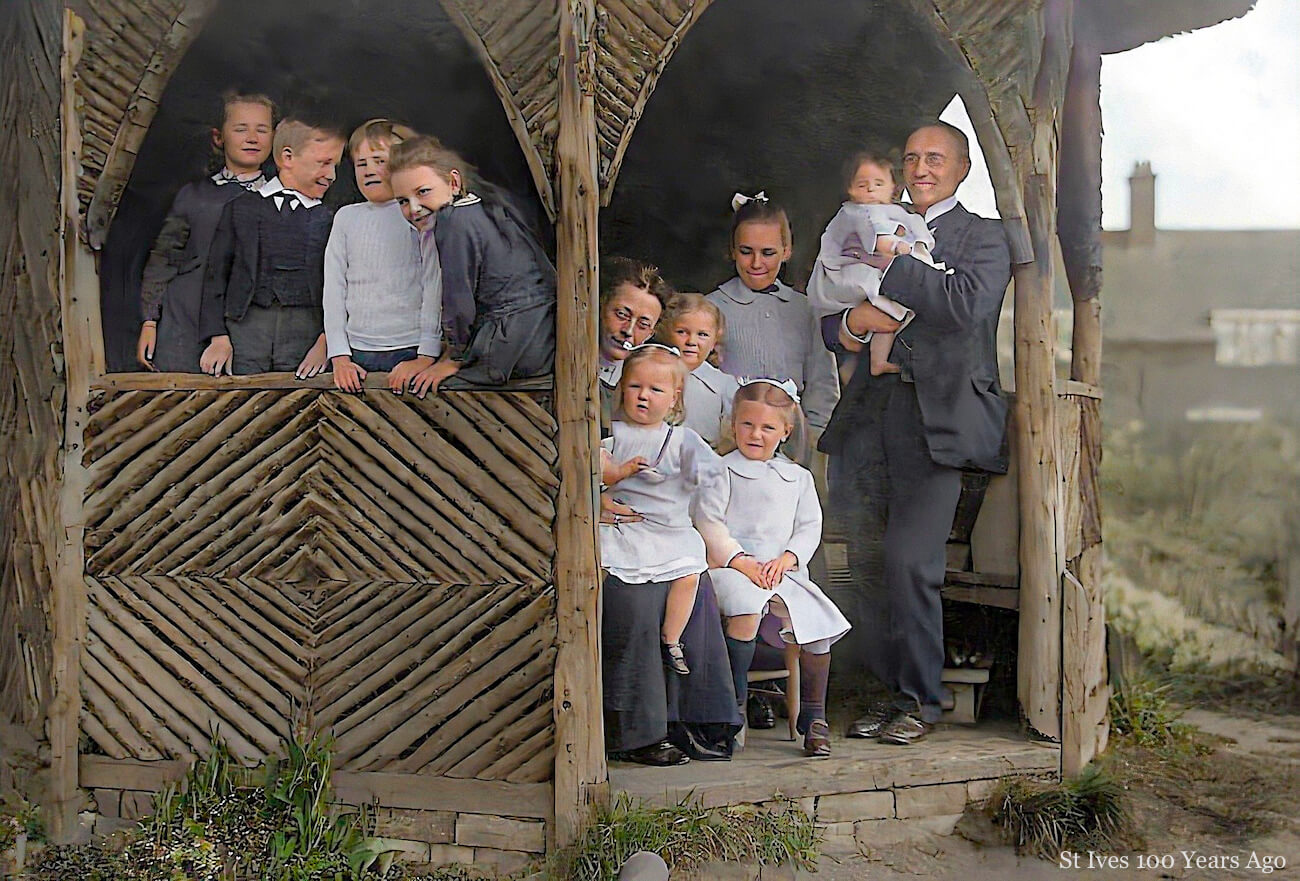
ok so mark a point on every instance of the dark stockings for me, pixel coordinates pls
(814, 674)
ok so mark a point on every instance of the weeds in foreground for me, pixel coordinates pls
(1140, 711)
(687, 835)
(222, 823)
(1043, 819)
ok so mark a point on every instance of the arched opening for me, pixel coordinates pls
(774, 96)
(769, 96)
(406, 61)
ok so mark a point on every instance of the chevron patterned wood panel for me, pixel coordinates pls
(634, 43)
(518, 43)
(371, 566)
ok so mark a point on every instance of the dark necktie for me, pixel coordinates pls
(770, 289)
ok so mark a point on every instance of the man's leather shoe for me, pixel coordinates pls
(661, 755)
(905, 729)
(817, 742)
(869, 726)
(760, 713)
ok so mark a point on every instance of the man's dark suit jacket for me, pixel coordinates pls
(257, 251)
(950, 348)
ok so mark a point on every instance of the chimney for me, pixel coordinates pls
(1142, 205)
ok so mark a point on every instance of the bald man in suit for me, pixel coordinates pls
(900, 442)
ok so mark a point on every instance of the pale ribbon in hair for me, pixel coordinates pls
(785, 385)
(673, 349)
(741, 199)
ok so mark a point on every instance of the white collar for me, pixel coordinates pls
(943, 206)
(273, 186)
(609, 372)
(467, 199)
(753, 469)
(736, 291)
(709, 376)
(247, 181)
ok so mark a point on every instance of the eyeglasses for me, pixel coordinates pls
(931, 160)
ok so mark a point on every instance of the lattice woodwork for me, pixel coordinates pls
(518, 43)
(31, 382)
(634, 43)
(373, 566)
(130, 51)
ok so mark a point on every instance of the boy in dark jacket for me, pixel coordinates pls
(262, 292)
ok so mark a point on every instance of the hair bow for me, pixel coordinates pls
(741, 199)
(673, 349)
(785, 385)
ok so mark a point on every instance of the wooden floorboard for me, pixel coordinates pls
(771, 767)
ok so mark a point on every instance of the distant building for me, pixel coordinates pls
(1200, 326)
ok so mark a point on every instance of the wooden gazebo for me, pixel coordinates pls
(421, 577)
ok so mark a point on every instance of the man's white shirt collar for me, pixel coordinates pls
(943, 206)
(273, 186)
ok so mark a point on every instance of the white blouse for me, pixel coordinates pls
(664, 545)
(708, 399)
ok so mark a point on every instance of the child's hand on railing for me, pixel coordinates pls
(314, 361)
(401, 375)
(348, 374)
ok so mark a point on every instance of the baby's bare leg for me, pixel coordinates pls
(677, 611)
(681, 600)
(879, 348)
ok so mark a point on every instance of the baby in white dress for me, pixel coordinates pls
(871, 221)
(664, 465)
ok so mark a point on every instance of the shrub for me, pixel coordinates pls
(1043, 819)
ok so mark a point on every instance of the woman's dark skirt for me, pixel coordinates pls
(641, 697)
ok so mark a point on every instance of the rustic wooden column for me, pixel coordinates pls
(1085, 691)
(1038, 664)
(83, 353)
(581, 776)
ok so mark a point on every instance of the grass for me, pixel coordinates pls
(1043, 819)
(686, 836)
(1140, 711)
(226, 822)
(1208, 525)
(1182, 778)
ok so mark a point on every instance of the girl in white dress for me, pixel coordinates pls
(673, 460)
(653, 565)
(761, 527)
(695, 326)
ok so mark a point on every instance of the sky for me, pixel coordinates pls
(1216, 112)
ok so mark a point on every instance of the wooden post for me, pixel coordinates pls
(1085, 691)
(78, 288)
(581, 777)
(1038, 664)
(1079, 216)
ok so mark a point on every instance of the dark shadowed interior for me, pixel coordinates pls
(342, 59)
(761, 94)
(767, 95)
